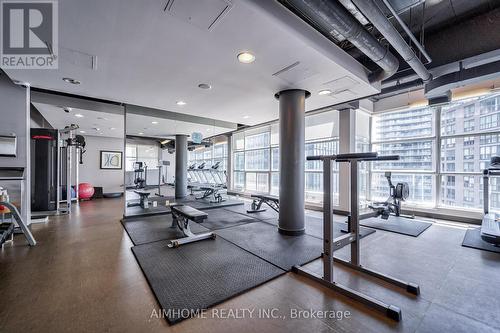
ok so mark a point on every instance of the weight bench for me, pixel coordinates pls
(181, 215)
(143, 201)
(259, 199)
(208, 191)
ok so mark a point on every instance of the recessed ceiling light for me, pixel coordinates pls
(78, 115)
(112, 128)
(83, 132)
(246, 57)
(204, 86)
(246, 117)
(67, 109)
(181, 103)
(324, 92)
(71, 80)
(154, 122)
(140, 133)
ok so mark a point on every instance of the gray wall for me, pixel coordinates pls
(90, 172)
(14, 118)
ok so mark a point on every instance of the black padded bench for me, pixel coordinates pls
(181, 216)
(143, 201)
(259, 199)
(209, 190)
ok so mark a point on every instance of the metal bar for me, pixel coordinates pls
(486, 194)
(341, 241)
(437, 157)
(354, 216)
(408, 286)
(390, 311)
(68, 172)
(77, 171)
(58, 173)
(407, 31)
(327, 221)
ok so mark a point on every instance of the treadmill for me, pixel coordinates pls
(490, 227)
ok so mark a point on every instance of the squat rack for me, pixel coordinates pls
(331, 244)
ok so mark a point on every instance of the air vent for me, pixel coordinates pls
(345, 82)
(78, 58)
(204, 14)
(295, 73)
(344, 95)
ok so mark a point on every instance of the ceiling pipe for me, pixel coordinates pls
(407, 30)
(373, 13)
(330, 15)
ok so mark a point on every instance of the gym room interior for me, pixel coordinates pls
(250, 166)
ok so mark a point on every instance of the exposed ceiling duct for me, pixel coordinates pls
(373, 13)
(331, 18)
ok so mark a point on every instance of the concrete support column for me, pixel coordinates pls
(292, 160)
(347, 144)
(181, 158)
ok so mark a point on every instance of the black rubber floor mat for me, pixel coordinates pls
(202, 204)
(264, 240)
(154, 228)
(399, 225)
(200, 275)
(268, 214)
(206, 204)
(222, 218)
(473, 239)
(314, 227)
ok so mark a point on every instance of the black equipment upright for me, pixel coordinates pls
(140, 174)
(44, 153)
(352, 237)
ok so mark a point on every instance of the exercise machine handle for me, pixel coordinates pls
(385, 158)
(320, 157)
(343, 157)
(357, 156)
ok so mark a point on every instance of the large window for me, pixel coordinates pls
(467, 151)
(256, 156)
(411, 135)
(217, 152)
(136, 152)
(442, 165)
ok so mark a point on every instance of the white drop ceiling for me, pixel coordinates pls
(139, 53)
(140, 125)
(93, 123)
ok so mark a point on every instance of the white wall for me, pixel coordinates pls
(14, 119)
(169, 171)
(90, 171)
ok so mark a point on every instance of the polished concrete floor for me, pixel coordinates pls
(83, 277)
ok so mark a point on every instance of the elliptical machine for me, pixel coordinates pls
(392, 206)
(140, 174)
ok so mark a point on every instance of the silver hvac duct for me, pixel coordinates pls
(330, 15)
(373, 13)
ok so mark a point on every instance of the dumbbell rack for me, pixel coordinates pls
(331, 244)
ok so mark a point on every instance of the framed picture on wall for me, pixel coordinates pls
(111, 160)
